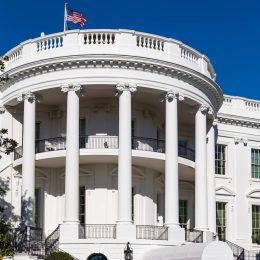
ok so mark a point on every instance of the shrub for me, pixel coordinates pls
(59, 256)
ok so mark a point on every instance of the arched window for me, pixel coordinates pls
(97, 256)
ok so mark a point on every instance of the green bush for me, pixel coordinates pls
(59, 256)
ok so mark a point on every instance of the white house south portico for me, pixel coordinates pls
(116, 133)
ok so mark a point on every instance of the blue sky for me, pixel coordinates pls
(227, 31)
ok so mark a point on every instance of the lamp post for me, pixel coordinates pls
(128, 252)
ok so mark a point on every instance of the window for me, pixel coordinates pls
(255, 224)
(220, 159)
(37, 136)
(255, 163)
(221, 220)
(37, 208)
(183, 216)
(37, 130)
(82, 132)
(82, 205)
(133, 204)
(183, 145)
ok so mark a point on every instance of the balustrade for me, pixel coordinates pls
(149, 42)
(49, 43)
(194, 236)
(105, 142)
(28, 50)
(99, 38)
(189, 55)
(151, 232)
(97, 231)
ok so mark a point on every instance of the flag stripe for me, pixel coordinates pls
(75, 17)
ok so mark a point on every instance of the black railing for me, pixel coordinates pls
(193, 235)
(151, 232)
(29, 239)
(52, 241)
(240, 253)
(106, 142)
(97, 231)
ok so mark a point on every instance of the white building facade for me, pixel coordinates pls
(124, 137)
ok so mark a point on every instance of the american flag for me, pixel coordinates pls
(75, 17)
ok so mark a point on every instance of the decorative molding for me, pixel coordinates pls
(242, 140)
(253, 194)
(71, 87)
(2, 109)
(120, 87)
(224, 191)
(30, 96)
(170, 95)
(180, 72)
(238, 122)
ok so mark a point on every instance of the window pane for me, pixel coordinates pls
(220, 159)
(221, 220)
(255, 224)
(255, 163)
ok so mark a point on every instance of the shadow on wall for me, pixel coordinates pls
(26, 212)
(6, 208)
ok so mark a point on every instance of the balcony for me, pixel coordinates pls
(98, 231)
(108, 42)
(151, 232)
(105, 142)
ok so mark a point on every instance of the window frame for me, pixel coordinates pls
(225, 159)
(251, 172)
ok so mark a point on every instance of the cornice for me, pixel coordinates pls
(238, 121)
(168, 69)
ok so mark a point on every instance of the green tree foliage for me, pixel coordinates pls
(7, 145)
(59, 256)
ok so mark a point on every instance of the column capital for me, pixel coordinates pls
(120, 87)
(170, 95)
(30, 96)
(2, 109)
(71, 87)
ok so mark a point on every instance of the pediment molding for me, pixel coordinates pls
(223, 191)
(254, 194)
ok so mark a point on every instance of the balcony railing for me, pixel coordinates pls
(151, 232)
(105, 142)
(105, 42)
(193, 235)
(100, 231)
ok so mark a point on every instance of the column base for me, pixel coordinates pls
(176, 234)
(126, 231)
(69, 230)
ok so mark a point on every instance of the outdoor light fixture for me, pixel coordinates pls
(128, 252)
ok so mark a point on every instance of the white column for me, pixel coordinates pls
(28, 167)
(125, 154)
(201, 192)
(171, 161)
(71, 219)
(211, 179)
(72, 155)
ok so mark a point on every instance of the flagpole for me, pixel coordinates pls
(65, 17)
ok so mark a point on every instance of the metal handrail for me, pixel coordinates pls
(106, 142)
(52, 240)
(151, 232)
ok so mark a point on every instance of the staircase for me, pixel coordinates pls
(239, 253)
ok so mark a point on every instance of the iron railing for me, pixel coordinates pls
(151, 232)
(193, 235)
(51, 241)
(29, 239)
(240, 253)
(105, 142)
(99, 142)
(98, 231)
